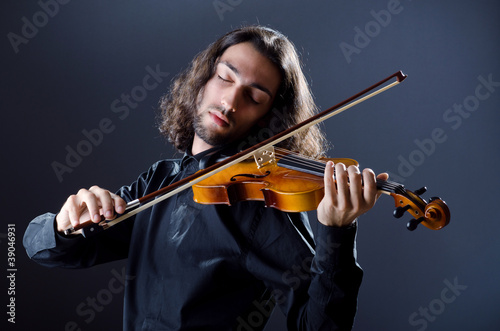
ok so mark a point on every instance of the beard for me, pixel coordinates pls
(211, 137)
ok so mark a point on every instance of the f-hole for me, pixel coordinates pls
(250, 176)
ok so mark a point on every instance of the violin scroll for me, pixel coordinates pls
(437, 214)
(434, 214)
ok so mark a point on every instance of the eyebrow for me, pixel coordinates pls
(256, 85)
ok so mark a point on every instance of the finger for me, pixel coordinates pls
(65, 217)
(329, 180)
(73, 208)
(383, 176)
(105, 201)
(76, 209)
(355, 186)
(89, 200)
(119, 203)
(343, 193)
(369, 187)
(63, 221)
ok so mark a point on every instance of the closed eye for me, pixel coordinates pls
(223, 79)
(249, 94)
(252, 100)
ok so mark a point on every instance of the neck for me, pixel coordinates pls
(199, 145)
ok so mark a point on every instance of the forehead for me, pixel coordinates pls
(252, 66)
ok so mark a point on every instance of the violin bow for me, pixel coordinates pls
(135, 206)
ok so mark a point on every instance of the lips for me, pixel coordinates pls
(219, 119)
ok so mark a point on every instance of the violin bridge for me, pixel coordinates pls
(264, 156)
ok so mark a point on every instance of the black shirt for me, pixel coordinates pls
(209, 267)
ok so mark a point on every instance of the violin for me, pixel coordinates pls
(287, 181)
(291, 182)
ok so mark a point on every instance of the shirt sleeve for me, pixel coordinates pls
(316, 288)
(48, 247)
(335, 281)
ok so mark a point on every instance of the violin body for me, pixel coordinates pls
(278, 187)
(299, 186)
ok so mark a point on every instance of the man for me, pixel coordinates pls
(207, 267)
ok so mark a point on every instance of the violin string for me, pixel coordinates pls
(302, 159)
(319, 165)
(306, 164)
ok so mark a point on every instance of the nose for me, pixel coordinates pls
(230, 99)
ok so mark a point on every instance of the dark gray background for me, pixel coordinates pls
(65, 78)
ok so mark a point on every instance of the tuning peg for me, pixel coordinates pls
(412, 224)
(434, 198)
(399, 211)
(421, 190)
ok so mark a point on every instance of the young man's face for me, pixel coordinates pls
(241, 92)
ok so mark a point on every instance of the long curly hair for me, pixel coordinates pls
(293, 102)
